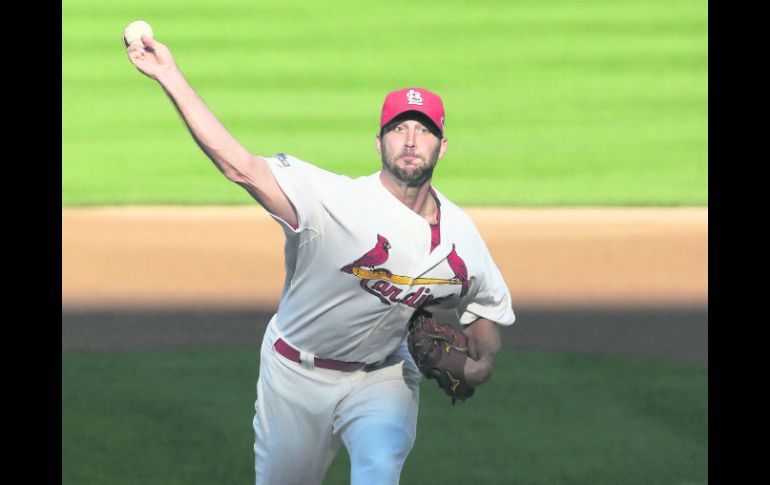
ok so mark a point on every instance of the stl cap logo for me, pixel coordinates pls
(414, 97)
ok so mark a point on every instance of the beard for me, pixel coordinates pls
(419, 175)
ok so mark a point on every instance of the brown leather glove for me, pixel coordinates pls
(440, 352)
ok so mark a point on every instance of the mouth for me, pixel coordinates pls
(409, 158)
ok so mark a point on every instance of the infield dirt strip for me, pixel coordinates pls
(631, 281)
(225, 256)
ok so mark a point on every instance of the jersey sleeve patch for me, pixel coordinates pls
(298, 182)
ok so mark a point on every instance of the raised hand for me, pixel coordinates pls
(151, 58)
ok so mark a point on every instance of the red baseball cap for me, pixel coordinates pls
(413, 99)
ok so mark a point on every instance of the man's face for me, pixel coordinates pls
(410, 151)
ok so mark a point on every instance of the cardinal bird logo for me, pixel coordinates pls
(402, 289)
(374, 257)
(460, 270)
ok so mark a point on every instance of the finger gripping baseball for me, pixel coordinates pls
(440, 352)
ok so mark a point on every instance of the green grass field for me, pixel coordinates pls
(181, 417)
(602, 102)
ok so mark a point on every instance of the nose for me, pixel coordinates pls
(411, 135)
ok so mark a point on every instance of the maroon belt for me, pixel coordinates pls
(293, 354)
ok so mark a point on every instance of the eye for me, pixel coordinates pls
(424, 131)
(399, 129)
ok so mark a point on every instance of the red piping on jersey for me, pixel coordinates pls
(435, 229)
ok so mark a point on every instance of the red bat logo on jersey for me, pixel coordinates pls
(385, 287)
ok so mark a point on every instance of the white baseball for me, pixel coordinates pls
(134, 31)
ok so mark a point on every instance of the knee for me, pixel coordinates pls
(379, 459)
(383, 459)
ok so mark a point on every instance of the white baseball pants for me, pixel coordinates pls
(303, 414)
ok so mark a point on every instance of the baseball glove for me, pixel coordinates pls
(440, 353)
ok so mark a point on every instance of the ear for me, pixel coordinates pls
(379, 144)
(442, 150)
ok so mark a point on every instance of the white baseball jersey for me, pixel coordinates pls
(360, 262)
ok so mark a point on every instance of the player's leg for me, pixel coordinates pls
(378, 422)
(294, 443)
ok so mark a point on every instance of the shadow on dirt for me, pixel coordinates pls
(679, 334)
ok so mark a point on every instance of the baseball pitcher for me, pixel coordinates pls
(367, 262)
